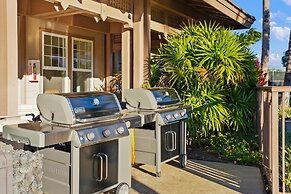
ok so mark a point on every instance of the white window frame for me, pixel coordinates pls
(67, 80)
(83, 70)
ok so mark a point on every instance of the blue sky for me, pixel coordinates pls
(280, 26)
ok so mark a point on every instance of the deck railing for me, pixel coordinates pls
(271, 124)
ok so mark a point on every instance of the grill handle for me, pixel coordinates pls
(98, 156)
(173, 138)
(106, 165)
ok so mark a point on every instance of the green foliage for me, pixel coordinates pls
(241, 148)
(115, 84)
(214, 71)
(287, 112)
(287, 159)
(288, 168)
(250, 37)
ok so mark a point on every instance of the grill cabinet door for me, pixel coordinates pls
(170, 140)
(98, 166)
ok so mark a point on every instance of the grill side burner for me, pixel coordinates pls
(162, 137)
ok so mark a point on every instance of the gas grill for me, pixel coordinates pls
(85, 141)
(162, 137)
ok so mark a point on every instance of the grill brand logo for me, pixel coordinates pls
(95, 102)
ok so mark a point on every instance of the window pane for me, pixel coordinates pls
(64, 62)
(88, 64)
(61, 53)
(55, 51)
(82, 55)
(75, 53)
(81, 81)
(47, 50)
(47, 61)
(61, 42)
(55, 41)
(82, 45)
(76, 44)
(55, 62)
(53, 81)
(75, 61)
(83, 64)
(61, 62)
(47, 39)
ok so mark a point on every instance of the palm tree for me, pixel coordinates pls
(266, 36)
(287, 80)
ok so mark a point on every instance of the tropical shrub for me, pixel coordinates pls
(239, 147)
(214, 71)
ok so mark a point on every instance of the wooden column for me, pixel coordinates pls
(141, 41)
(108, 61)
(147, 39)
(8, 58)
(138, 43)
(126, 56)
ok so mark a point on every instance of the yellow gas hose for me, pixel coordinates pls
(132, 147)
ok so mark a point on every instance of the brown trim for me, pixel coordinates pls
(69, 63)
(131, 58)
(22, 58)
(107, 53)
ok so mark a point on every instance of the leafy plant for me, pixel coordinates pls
(241, 148)
(287, 112)
(214, 71)
(115, 84)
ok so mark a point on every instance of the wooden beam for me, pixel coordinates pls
(179, 8)
(165, 29)
(89, 23)
(96, 8)
(232, 11)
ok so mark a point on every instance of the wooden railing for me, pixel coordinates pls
(271, 124)
(123, 5)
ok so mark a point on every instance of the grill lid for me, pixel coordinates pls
(72, 108)
(152, 98)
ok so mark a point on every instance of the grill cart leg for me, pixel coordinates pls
(183, 156)
(183, 160)
(158, 154)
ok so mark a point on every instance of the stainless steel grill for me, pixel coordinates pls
(85, 141)
(162, 137)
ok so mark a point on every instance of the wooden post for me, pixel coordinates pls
(126, 56)
(8, 58)
(138, 45)
(141, 38)
(274, 143)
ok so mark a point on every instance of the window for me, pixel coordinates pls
(54, 62)
(82, 61)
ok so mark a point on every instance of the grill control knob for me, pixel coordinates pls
(106, 133)
(182, 114)
(90, 136)
(120, 130)
(168, 117)
(176, 115)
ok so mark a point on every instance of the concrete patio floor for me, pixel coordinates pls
(199, 177)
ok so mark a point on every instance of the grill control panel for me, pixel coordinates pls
(102, 133)
(172, 116)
